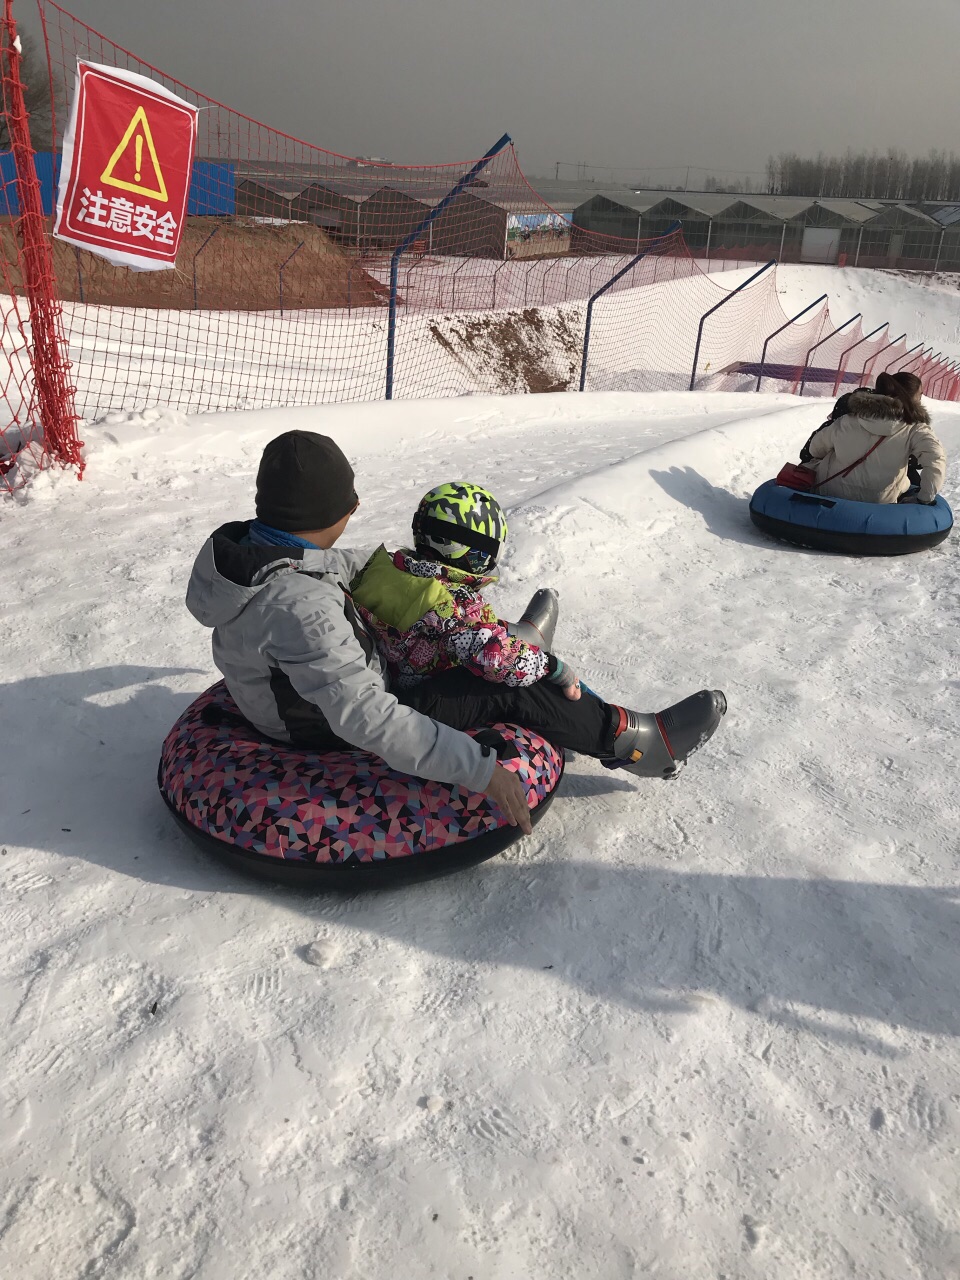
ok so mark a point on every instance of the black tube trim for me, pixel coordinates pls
(353, 875)
(849, 544)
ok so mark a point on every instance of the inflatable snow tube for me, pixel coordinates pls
(853, 528)
(332, 820)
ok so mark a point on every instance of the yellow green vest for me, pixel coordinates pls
(396, 598)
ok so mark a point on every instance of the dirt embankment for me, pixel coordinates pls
(222, 265)
(534, 350)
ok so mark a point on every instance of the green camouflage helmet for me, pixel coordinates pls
(462, 524)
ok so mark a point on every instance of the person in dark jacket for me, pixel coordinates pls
(302, 665)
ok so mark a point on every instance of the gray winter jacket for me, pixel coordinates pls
(881, 477)
(302, 667)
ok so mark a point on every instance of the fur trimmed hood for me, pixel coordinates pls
(871, 406)
(863, 455)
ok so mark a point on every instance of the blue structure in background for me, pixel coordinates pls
(10, 193)
(213, 188)
(48, 171)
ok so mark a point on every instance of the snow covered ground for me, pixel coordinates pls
(692, 1030)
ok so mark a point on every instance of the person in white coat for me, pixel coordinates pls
(863, 455)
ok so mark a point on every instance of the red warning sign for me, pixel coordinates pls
(127, 160)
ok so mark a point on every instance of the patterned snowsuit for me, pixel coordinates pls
(429, 618)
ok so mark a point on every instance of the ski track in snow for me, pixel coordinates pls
(698, 1029)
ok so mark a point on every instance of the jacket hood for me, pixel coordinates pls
(881, 415)
(229, 572)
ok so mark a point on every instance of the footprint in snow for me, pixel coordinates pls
(321, 954)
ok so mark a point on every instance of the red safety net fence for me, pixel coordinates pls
(307, 277)
(37, 416)
(698, 333)
(282, 293)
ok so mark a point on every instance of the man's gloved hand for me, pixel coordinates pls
(564, 677)
(913, 499)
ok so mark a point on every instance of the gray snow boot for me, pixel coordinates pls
(657, 745)
(539, 621)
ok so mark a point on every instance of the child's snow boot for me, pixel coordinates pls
(657, 745)
(539, 620)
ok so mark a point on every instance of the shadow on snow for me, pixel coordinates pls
(642, 936)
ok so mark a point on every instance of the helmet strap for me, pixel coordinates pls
(447, 531)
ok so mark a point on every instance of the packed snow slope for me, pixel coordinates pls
(687, 1030)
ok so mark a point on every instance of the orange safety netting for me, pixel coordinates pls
(37, 416)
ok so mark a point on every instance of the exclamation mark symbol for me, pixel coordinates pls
(136, 176)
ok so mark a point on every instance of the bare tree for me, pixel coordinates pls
(866, 176)
(37, 92)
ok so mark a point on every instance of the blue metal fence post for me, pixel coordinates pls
(763, 353)
(898, 359)
(418, 231)
(453, 284)
(816, 345)
(942, 377)
(722, 303)
(865, 338)
(905, 368)
(195, 257)
(286, 262)
(927, 365)
(603, 289)
(876, 356)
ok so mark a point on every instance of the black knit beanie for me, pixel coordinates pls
(304, 482)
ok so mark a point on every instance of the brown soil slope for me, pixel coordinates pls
(237, 268)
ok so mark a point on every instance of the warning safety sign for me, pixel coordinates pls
(127, 160)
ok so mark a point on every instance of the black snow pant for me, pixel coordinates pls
(465, 701)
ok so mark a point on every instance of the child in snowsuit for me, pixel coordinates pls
(426, 606)
(450, 657)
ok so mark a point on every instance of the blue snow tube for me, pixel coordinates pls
(853, 528)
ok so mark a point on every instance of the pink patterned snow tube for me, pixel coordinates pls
(340, 819)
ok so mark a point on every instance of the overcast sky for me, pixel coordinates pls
(646, 83)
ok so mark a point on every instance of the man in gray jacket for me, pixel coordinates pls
(303, 668)
(296, 655)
